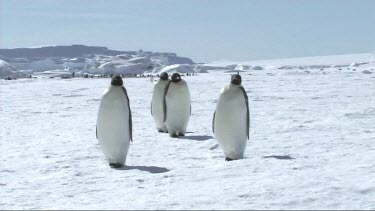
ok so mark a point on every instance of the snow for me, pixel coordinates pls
(7, 70)
(206, 69)
(179, 68)
(242, 67)
(257, 68)
(304, 62)
(366, 72)
(51, 73)
(311, 146)
(136, 65)
(4, 65)
(45, 64)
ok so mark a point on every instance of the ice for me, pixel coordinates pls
(180, 68)
(8, 71)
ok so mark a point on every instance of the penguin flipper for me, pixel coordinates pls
(130, 116)
(130, 125)
(247, 111)
(165, 102)
(213, 123)
(151, 108)
(96, 131)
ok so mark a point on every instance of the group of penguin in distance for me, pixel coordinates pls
(171, 109)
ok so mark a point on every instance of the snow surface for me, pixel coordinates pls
(312, 146)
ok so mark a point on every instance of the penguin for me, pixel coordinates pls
(231, 119)
(157, 102)
(176, 106)
(114, 123)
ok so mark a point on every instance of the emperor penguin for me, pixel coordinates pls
(114, 123)
(157, 102)
(231, 119)
(176, 106)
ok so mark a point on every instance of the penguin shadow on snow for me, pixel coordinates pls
(196, 138)
(280, 157)
(150, 169)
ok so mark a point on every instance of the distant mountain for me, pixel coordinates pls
(90, 59)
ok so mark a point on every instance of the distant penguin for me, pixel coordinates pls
(114, 123)
(176, 106)
(157, 102)
(231, 119)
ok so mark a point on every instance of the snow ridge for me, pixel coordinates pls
(89, 59)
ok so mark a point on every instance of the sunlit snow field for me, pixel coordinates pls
(312, 146)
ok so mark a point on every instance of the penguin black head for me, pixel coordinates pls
(116, 81)
(236, 79)
(176, 77)
(164, 76)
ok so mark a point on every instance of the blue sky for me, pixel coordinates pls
(204, 30)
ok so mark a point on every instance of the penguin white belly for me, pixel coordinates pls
(113, 125)
(230, 123)
(157, 105)
(178, 107)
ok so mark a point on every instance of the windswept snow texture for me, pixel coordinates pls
(312, 146)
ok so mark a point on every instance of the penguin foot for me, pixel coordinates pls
(181, 134)
(228, 159)
(115, 165)
(174, 135)
(162, 131)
